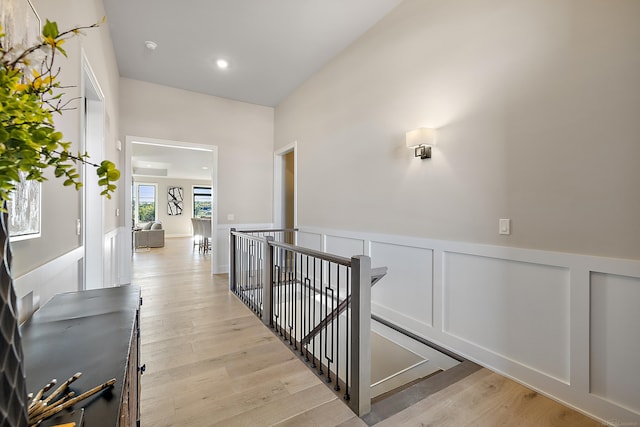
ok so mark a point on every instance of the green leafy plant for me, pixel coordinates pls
(30, 95)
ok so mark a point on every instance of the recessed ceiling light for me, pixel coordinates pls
(223, 64)
(151, 45)
(204, 168)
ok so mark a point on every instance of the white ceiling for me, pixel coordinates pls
(170, 162)
(272, 45)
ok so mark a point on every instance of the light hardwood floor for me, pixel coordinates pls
(211, 362)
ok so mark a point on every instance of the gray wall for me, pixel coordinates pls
(536, 104)
(61, 205)
(243, 133)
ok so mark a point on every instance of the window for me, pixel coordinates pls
(145, 202)
(202, 205)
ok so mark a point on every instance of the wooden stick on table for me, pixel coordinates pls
(54, 410)
(62, 387)
(40, 392)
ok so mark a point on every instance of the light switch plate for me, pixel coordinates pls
(231, 217)
(504, 226)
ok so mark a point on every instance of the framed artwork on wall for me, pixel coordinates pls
(25, 211)
(21, 25)
(175, 197)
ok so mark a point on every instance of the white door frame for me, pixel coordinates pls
(128, 172)
(92, 141)
(279, 183)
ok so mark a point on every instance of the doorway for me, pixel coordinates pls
(91, 228)
(286, 187)
(160, 167)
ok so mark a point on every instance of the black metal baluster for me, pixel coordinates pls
(252, 272)
(313, 345)
(246, 272)
(282, 280)
(326, 313)
(337, 338)
(347, 326)
(242, 263)
(239, 242)
(320, 309)
(257, 295)
(239, 280)
(295, 302)
(260, 289)
(256, 276)
(308, 319)
(291, 292)
(276, 296)
(308, 329)
(303, 282)
(283, 329)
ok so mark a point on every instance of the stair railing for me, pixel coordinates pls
(320, 304)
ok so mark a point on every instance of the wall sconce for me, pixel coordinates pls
(421, 141)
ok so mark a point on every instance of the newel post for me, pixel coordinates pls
(361, 335)
(232, 260)
(267, 282)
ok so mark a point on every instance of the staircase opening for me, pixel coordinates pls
(320, 304)
(398, 360)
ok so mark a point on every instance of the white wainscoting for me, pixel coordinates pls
(563, 324)
(111, 262)
(35, 288)
(309, 240)
(64, 273)
(518, 310)
(615, 307)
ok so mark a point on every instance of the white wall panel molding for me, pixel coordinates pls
(125, 241)
(517, 310)
(344, 246)
(111, 262)
(61, 274)
(36, 278)
(64, 273)
(564, 324)
(407, 290)
(310, 240)
(614, 339)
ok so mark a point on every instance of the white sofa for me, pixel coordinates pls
(149, 235)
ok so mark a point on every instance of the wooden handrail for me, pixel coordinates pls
(268, 230)
(313, 253)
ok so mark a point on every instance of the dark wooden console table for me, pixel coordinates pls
(97, 333)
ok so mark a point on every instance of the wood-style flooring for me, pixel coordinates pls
(211, 362)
